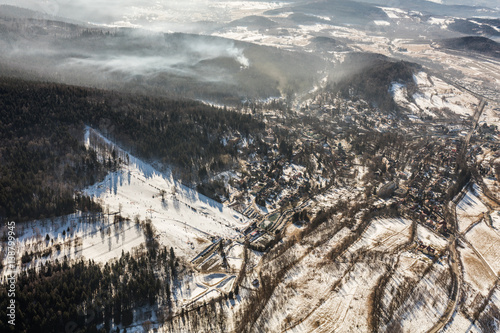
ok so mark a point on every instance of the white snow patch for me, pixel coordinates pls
(436, 21)
(399, 93)
(394, 13)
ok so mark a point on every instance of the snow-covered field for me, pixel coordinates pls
(347, 308)
(234, 256)
(476, 271)
(334, 194)
(337, 296)
(102, 249)
(480, 258)
(184, 219)
(433, 93)
(303, 298)
(429, 237)
(486, 240)
(295, 38)
(493, 186)
(426, 302)
(460, 323)
(495, 220)
(383, 234)
(470, 209)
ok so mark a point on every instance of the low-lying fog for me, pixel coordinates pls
(139, 47)
(143, 53)
(185, 65)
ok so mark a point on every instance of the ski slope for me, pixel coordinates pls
(183, 218)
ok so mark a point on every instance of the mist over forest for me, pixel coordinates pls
(184, 65)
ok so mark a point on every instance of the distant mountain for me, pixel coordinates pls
(434, 8)
(327, 44)
(13, 12)
(477, 26)
(338, 11)
(254, 22)
(481, 45)
(487, 3)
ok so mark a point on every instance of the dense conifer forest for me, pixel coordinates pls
(88, 297)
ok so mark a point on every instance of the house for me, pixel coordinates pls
(426, 249)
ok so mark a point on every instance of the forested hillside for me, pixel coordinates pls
(372, 80)
(42, 157)
(480, 45)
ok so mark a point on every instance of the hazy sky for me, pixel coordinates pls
(146, 13)
(109, 11)
(168, 15)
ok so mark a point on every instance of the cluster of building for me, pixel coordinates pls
(278, 182)
(426, 249)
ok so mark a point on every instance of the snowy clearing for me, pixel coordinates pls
(435, 93)
(399, 93)
(470, 209)
(76, 237)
